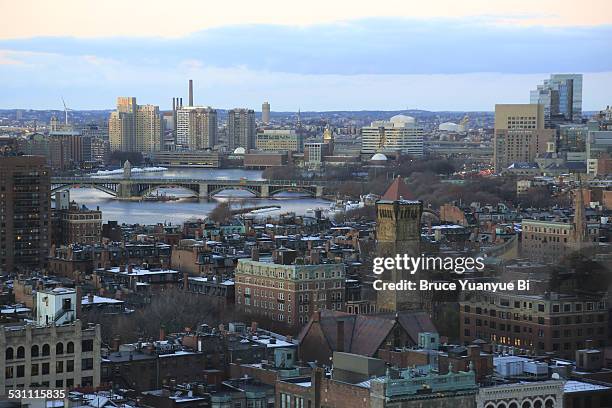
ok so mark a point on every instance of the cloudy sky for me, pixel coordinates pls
(315, 55)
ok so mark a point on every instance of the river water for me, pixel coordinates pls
(175, 212)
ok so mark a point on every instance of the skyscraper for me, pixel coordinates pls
(25, 206)
(135, 128)
(196, 127)
(561, 96)
(241, 128)
(265, 113)
(519, 134)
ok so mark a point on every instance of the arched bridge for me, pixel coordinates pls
(127, 188)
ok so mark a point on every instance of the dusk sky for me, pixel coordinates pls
(322, 55)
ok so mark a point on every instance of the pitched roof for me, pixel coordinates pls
(364, 334)
(398, 190)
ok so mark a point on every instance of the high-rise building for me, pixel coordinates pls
(561, 96)
(398, 231)
(135, 128)
(265, 113)
(196, 127)
(25, 207)
(519, 134)
(241, 128)
(400, 134)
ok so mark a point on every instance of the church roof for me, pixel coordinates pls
(398, 190)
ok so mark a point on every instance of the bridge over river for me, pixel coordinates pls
(123, 187)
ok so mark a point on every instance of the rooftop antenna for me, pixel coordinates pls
(66, 109)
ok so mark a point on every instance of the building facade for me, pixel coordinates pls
(25, 212)
(288, 293)
(551, 323)
(400, 134)
(519, 134)
(279, 140)
(135, 128)
(241, 129)
(196, 127)
(66, 356)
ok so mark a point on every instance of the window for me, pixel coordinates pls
(21, 352)
(20, 371)
(8, 354)
(69, 366)
(59, 367)
(87, 364)
(45, 368)
(87, 345)
(70, 347)
(87, 381)
(34, 370)
(59, 348)
(34, 351)
(8, 372)
(46, 350)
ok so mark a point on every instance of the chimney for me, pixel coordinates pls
(174, 105)
(191, 92)
(115, 344)
(79, 300)
(254, 326)
(130, 268)
(340, 335)
(315, 257)
(162, 334)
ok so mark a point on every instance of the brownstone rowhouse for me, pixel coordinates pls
(25, 206)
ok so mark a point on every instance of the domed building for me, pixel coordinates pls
(240, 151)
(448, 127)
(402, 120)
(379, 158)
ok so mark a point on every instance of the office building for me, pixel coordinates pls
(287, 290)
(186, 158)
(561, 96)
(519, 134)
(135, 128)
(196, 127)
(25, 212)
(241, 129)
(400, 134)
(265, 113)
(599, 153)
(279, 140)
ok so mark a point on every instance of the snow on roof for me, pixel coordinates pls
(99, 300)
(579, 386)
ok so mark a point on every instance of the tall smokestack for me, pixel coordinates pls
(191, 92)
(181, 103)
(173, 105)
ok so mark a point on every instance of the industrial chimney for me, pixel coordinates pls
(191, 92)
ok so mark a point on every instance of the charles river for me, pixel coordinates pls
(175, 212)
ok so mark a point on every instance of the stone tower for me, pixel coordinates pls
(398, 231)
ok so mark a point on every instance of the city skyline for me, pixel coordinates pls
(396, 56)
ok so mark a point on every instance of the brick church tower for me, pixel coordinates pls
(398, 231)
